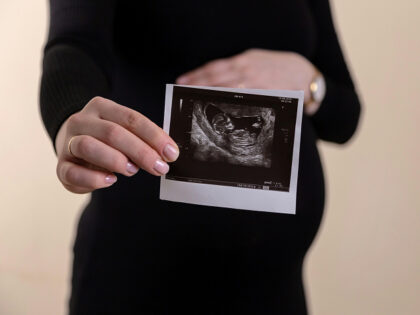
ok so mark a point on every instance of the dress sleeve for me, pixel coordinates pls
(77, 63)
(337, 117)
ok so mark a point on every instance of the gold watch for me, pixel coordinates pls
(317, 90)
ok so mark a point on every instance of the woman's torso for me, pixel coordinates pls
(187, 251)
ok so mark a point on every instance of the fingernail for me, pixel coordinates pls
(161, 167)
(131, 168)
(170, 152)
(110, 179)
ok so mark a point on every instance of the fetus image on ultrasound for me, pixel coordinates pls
(232, 133)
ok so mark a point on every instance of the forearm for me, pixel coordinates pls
(77, 62)
(338, 115)
(70, 79)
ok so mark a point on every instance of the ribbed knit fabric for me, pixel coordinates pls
(79, 53)
(70, 79)
(136, 254)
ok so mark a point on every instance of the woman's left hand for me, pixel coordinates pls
(255, 69)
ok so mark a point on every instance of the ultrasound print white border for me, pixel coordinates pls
(236, 197)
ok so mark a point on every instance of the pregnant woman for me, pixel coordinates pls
(102, 98)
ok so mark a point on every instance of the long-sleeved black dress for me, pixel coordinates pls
(136, 254)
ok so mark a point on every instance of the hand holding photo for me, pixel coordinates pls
(239, 148)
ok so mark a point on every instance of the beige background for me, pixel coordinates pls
(366, 258)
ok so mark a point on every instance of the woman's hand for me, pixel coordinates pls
(105, 137)
(257, 69)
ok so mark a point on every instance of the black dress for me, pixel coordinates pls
(136, 254)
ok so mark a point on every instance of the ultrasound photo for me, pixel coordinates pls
(238, 148)
(232, 133)
(232, 139)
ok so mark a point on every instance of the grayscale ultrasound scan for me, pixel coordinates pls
(234, 139)
(232, 133)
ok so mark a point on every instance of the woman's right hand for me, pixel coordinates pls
(106, 138)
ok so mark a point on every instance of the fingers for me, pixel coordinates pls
(80, 179)
(222, 79)
(121, 140)
(101, 155)
(147, 131)
(215, 73)
(77, 190)
(105, 138)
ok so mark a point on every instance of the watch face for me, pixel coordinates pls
(318, 89)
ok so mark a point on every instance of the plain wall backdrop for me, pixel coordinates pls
(366, 257)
